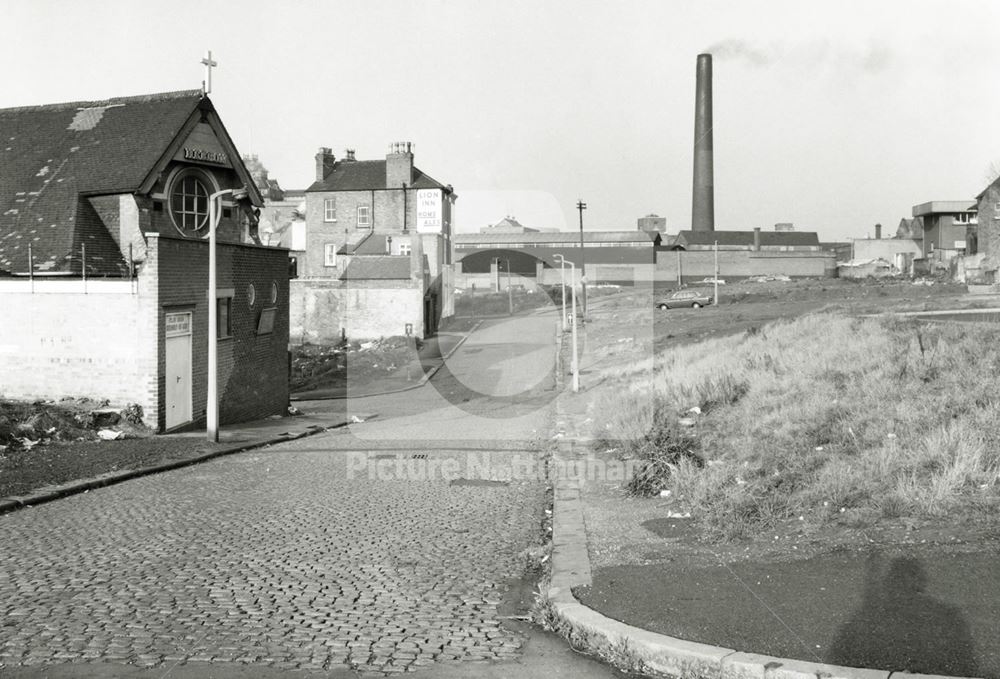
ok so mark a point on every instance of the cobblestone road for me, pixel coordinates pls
(385, 547)
(278, 557)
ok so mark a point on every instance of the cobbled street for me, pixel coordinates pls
(390, 546)
(276, 557)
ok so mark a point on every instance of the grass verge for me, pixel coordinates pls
(825, 418)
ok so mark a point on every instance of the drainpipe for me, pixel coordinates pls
(404, 206)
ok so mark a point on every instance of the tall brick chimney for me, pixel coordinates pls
(878, 232)
(703, 193)
(324, 163)
(399, 165)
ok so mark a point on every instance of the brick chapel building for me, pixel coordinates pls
(376, 250)
(104, 215)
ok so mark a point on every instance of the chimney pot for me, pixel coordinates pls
(399, 165)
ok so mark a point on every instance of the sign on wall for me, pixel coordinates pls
(202, 146)
(429, 217)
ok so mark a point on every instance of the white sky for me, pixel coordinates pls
(832, 115)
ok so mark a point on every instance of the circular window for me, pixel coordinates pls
(251, 294)
(274, 292)
(189, 203)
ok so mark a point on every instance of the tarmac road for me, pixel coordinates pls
(496, 390)
(397, 545)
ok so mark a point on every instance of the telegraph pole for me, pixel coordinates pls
(581, 206)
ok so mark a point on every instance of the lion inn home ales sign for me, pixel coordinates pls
(429, 219)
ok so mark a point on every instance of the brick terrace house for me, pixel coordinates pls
(104, 263)
(388, 209)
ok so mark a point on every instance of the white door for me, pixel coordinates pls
(178, 369)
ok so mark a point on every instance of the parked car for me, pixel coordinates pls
(711, 281)
(686, 298)
(770, 277)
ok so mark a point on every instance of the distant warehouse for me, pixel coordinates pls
(691, 256)
(621, 257)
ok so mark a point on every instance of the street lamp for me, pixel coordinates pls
(576, 362)
(212, 402)
(715, 278)
(510, 298)
(581, 206)
(562, 289)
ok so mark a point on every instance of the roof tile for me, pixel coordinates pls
(385, 267)
(365, 175)
(52, 155)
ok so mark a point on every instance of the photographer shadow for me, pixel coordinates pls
(900, 627)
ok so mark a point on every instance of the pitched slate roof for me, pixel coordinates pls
(53, 156)
(767, 238)
(385, 267)
(365, 175)
(371, 244)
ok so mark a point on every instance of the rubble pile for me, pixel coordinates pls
(24, 425)
(317, 366)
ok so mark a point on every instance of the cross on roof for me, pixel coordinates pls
(206, 85)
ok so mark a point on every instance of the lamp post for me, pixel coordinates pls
(715, 279)
(581, 206)
(212, 402)
(562, 290)
(576, 362)
(510, 298)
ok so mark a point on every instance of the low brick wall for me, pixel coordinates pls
(323, 311)
(70, 339)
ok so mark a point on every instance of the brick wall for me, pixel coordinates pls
(885, 248)
(60, 341)
(741, 264)
(989, 231)
(253, 369)
(322, 310)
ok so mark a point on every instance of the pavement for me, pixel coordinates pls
(404, 543)
(172, 451)
(867, 613)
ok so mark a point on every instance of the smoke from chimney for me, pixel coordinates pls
(811, 55)
(703, 193)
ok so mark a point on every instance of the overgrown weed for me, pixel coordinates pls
(826, 417)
